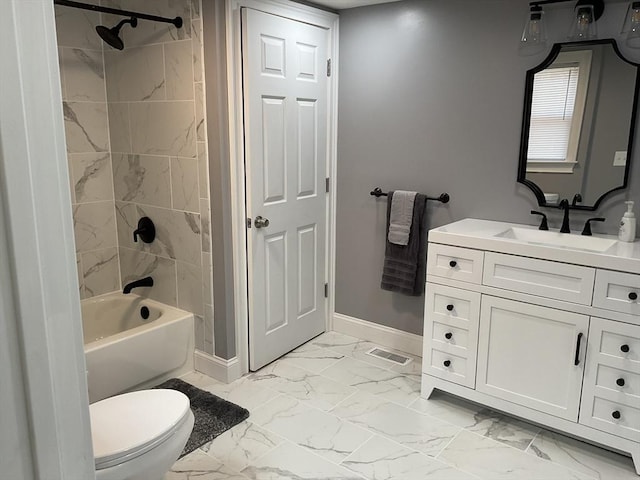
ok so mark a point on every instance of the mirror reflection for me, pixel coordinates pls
(578, 123)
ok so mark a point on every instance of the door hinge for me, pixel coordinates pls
(326, 290)
(326, 185)
(328, 67)
(248, 223)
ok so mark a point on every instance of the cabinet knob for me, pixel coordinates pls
(616, 414)
(620, 382)
(448, 336)
(453, 263)
(447, 363)
(450, 307)
(624, 348)
(633, 296)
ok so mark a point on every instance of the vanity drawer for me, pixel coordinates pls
(606, 415)
(450, 338)
(617, 291)
(571, 283)
(456, 263)
(620, 385)
(453, 306)
(450, 367)
(451, 318)
(614, 343)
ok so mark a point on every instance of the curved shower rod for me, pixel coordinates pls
(177, 22)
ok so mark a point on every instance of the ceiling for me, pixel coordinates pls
(343, 4)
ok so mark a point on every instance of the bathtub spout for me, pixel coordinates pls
(143, 282)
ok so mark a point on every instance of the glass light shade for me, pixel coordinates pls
(631, 26)
(583, 26)
(534, 36)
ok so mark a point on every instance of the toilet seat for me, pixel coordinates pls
(128, 425)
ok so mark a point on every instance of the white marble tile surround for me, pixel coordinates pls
(309, 422)
(88, 150)
(137, 145)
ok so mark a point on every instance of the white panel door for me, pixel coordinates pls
(532, 355)
(285, 108)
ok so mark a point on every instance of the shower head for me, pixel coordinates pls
(112, 35)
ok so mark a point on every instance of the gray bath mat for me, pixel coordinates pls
(213, 415)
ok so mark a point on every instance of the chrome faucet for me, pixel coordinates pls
(143, 282)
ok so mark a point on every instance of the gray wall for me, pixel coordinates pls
(430, 99)
(213, 16)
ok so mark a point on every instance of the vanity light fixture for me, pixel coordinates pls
(583, 25)
(534, 36)
(631, 25)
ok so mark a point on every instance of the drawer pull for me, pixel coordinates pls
(450, 307)
(453, 264)
(446, 363)
(620, 382)
(448, 335)
(633, 296)
(576, 361)
(616, 415)
(624, 348)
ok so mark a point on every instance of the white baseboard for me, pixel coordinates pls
(223, 370)
(379, 334)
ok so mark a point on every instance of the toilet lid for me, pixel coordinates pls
(130, 424)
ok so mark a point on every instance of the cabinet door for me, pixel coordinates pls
(527, 355)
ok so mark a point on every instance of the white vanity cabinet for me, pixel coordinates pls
(548, 334)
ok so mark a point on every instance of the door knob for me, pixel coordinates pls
(260, 222)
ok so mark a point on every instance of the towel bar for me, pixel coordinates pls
(377, 192)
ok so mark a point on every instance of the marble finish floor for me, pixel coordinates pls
(329, 411)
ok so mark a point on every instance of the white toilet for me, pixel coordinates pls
(139, 435)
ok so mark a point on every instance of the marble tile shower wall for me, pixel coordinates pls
(88, 151)
(158, 157)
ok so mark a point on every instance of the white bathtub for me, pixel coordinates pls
(124, 351)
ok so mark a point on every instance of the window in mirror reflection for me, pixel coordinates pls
(557, 111)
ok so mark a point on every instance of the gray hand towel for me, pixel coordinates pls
(401, 216)
(405, 265)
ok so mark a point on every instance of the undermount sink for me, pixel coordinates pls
(558, 240)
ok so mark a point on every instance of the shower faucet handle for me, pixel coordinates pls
(146, 231)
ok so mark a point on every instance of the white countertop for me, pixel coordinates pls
(485, 235)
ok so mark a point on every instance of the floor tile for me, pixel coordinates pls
(478, 419)
(335, 341)
(356, 348)
(199, 380)
(582, 457)
(292, 462)
(328, 411)
(403, 425)
(319, 391)
(311, 357)
(493, 460)
(242, 444)
(203, 467)
(244, 393)
(393, 386)
(382, 459)
(323, 433)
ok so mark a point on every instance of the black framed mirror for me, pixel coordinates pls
(580, 109)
